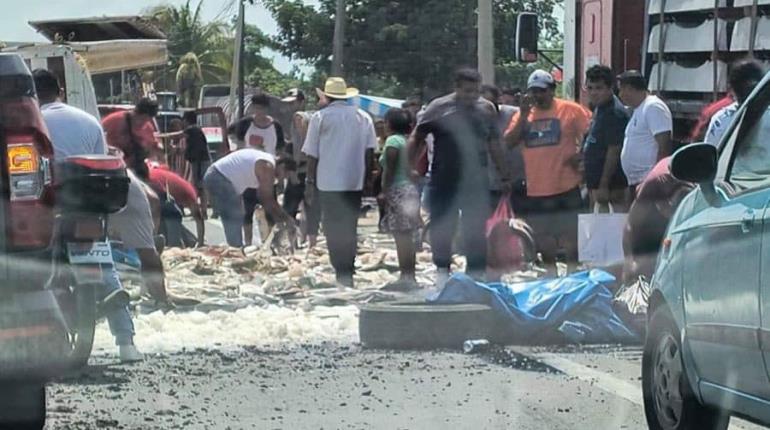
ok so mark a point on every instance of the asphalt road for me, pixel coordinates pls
(330, 386)
(341, 386)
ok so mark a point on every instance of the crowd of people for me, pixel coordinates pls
(453, 159)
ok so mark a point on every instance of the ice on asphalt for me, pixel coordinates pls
(253, 326)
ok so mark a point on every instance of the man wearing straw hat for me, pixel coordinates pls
(340, 144)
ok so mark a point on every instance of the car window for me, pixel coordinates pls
(751, 157)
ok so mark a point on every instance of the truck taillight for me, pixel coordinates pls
(30, 212)
(28, 172)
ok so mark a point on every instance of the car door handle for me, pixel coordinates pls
(747, 222)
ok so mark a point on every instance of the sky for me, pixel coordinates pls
(14, 27)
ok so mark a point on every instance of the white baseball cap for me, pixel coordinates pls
(540, 79)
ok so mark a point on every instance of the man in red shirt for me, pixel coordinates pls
(657, 199)
(183, 193)
(133, 132)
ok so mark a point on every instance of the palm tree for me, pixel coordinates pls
(190, 38)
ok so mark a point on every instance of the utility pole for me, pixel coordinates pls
(241, 51)
(486, 42)
(339, 39)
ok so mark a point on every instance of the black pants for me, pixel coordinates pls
(293, 196)
(445, 208)
(340, 212)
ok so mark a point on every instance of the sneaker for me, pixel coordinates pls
(442, 277)
(129, 354)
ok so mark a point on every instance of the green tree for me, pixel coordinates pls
(202, 52)
(188, 34)
(398, 47)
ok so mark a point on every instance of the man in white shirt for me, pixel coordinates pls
(230, 176)
(75, 132)
(744, 76)
(649, 132)
(262, 132)
(340, 145)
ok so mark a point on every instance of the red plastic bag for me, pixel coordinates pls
(510, 243)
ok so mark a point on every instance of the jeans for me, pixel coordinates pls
(119, 320)
(228, 203)
(468, 205)
(340, 211)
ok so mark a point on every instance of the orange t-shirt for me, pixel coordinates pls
(549, 141)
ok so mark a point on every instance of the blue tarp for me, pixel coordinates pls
(577, 308)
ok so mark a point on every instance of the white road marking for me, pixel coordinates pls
(617, 387)
(627, 390)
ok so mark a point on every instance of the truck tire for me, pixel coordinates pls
(664, 379)
(22, 406)
(409, 325)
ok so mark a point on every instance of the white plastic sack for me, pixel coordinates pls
(600, 237)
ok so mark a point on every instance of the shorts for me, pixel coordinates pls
(402, 209)
(198, 170)
(134, 223)
(554, 216)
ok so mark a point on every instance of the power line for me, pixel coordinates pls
(228, 9)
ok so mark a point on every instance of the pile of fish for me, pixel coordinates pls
(222, 278)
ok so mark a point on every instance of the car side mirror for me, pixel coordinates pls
(697, 163)
(526, 38)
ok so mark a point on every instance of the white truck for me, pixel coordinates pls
(74, 63)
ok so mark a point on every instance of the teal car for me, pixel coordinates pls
(707, 352)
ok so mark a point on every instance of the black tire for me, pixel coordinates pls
(81, 336)
(422, 326)
(22, 406)
(661, 382)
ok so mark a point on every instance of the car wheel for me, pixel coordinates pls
(407, 325)
(22, 406)
(669, 403)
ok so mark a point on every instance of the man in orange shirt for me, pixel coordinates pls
(551, 131)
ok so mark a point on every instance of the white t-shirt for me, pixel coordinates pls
(640, 149)
(339, 136)
(262, 138)
(72, 131)
(239, 167)
(719, 124)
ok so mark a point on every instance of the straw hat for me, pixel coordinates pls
(336, 88)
